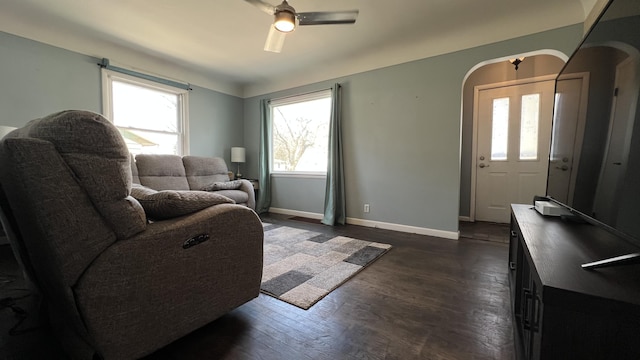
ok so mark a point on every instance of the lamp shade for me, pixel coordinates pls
(4, 130)
(237, 155)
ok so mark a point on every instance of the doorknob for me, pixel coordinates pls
(482, 165)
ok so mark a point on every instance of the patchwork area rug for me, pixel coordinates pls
(301, 266)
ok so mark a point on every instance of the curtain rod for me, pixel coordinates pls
(303, 94)
(104, 63)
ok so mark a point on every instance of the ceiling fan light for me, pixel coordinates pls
(285, 21)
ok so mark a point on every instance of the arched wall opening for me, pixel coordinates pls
(535, 64)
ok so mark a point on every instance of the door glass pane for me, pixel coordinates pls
(529, 119)
(500, 129)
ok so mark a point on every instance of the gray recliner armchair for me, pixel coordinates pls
(116, 285)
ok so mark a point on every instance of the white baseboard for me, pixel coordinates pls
(305, 214)
(454, 235)
(465, 218)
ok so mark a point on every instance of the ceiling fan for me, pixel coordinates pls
(285, 21)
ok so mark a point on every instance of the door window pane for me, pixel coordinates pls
(529, 119)
(500, 129)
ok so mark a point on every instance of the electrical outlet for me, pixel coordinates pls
(366, 208)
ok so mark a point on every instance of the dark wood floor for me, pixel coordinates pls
(485, 231)
(428, 298)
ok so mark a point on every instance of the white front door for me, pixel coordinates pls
(512, 147)
(566, 147)
(614, 165)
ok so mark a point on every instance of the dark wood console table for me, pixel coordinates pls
(560, 310)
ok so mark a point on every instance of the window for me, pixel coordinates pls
(300, 131)
(151, 117)
(500, 129)
(529, 122)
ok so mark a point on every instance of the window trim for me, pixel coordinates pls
(108, 76)
(294, 99)
(299, 175)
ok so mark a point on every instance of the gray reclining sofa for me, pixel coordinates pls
(173, 172)
(115, 285)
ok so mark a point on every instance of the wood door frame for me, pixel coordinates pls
(474, 145)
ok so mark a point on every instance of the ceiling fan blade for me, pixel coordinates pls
(266, 7)
(275, 40)
(327, 17)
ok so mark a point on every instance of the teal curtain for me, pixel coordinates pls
(264, 193)
(334, 198)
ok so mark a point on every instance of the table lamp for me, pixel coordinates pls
(238, 156)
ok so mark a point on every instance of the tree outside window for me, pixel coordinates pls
(301, 133)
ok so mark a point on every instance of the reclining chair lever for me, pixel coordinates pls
(195, 240)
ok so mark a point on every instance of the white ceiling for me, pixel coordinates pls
(218, 44)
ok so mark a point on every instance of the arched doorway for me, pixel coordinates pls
(535, 65)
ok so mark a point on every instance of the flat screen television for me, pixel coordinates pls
(594, 164)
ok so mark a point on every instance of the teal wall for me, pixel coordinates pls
(215, 123)
(38, 79)
(401, 126)
(401, 135)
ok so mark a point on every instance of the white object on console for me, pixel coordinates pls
(549, 208)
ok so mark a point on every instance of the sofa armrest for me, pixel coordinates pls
(247, 187)
(141, 284)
